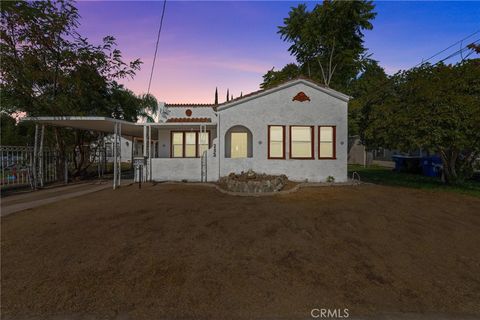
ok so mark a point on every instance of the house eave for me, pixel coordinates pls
(331, 92)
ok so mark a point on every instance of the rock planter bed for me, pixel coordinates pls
(252, 182)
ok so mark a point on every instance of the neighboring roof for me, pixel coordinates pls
(286, 84)
(195, 120)
(100, 124)
(189, 105)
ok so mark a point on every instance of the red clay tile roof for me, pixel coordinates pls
(189, 120)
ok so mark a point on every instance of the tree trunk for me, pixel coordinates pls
(449, 161)
(61, 156)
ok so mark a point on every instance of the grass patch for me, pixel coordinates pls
(387, 176)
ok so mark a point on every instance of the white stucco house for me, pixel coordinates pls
(298, 128)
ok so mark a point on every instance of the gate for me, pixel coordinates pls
(17, 164)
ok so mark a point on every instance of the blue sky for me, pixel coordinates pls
(231, 44)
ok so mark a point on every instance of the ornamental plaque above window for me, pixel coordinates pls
(301, 96)
(188, 112)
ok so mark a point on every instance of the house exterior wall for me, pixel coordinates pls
(164, 139)
(178, 169)
(197, 112)
(164, 143)
(277, 108)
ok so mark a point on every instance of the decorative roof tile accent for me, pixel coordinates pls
(189, 120)
(301, 96)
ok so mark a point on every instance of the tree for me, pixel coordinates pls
(148, 108)
(368, 89)
(435, 108)
(228, 95)
(216, 95)
(13, 134)
(474, 47)
(330, 37)
(46, 63)
(273, 78)
(47, 68)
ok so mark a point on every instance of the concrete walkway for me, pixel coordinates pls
(29, 200)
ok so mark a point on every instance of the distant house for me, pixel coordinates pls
(126, 149)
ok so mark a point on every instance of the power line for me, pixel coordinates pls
(156, 46)
(442, 51)
(456, 53)
(465, 48)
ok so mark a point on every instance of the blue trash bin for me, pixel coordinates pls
(410, 164)
(431, 166)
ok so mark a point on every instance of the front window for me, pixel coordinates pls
(177, 144)
(276, 142)
(326, 144)
(189, 144)
(301, 142)
(239, 145)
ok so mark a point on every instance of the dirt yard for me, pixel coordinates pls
(178, 251)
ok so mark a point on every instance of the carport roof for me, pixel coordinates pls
(105, 124)
(100, 124)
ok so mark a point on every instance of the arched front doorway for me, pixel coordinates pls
(238, 142)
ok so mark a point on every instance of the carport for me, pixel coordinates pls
(104, 125)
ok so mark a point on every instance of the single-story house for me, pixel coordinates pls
(298, 128)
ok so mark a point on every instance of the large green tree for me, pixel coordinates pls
(433, 107)
(327, 42)
(48, 68)
(367, 90)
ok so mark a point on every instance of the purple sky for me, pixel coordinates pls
(231, 44)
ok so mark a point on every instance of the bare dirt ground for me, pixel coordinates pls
(178, 251)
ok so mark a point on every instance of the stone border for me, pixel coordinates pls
(267, 194)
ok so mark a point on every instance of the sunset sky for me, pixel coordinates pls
(231, 45)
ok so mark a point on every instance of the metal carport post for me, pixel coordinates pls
(117, 155)
(115, 128)
(149, 153)
(93, 123)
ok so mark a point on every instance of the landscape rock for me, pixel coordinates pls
(252, 182)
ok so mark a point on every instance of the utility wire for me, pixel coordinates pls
(156, 46)
(456, 53)
(440, 52)
(385, 83)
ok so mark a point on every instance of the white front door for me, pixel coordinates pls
(239, 145)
